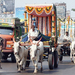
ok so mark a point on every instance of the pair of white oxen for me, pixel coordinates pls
(36, 53)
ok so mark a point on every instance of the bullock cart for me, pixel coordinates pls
(63, 49)
(46, 22)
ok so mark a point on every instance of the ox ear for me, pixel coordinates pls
(20, 38)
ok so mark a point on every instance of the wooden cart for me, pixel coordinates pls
(46, 23)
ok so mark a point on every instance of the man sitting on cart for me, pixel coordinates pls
(66, 43)
(66, 37)
(33, 32)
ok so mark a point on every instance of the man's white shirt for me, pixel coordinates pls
(67, 37)
(33, 33)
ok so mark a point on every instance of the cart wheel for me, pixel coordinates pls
(4, 56)
(51, 61)
(55, 59)
(60, 57)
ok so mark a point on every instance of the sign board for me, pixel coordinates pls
(61, 12)
(7, 6)
(9, 21)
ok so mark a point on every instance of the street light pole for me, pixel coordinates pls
(64, 26)
(74, 23)
(74, 28)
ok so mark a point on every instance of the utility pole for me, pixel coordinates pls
(74, 28)
(74, 22)
(0, 8)
(64, 26)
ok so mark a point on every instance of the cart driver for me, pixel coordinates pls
(66, 38)
(66, 42)
(33, 33)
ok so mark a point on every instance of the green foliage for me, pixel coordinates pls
(73, 9)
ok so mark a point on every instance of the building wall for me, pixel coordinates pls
(61, 10)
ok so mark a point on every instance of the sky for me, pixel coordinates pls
(69, 3)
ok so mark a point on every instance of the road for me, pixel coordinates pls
(66, 67)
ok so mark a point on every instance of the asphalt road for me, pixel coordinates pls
(66, 67)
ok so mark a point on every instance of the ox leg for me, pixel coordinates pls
(36, 67)
(17, 57)
(74, 57)
(41, 62)
(19, 68)
(0, 64)
(35, 63)
(71, 53)
(24, 65)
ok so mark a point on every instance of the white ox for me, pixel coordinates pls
(36, 53)
(21, 55)
(72, 53)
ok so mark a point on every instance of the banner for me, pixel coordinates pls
(7, 6)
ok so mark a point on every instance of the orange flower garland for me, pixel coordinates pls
(48, 9)
(39, 10)
(29, 9)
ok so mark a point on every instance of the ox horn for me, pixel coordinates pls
(30, 39)
(39, 40)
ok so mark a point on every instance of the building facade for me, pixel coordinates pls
(61, 10)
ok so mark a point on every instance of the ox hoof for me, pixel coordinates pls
(41, 69)
(72, 61)
(22, 68)
(19, 71)
(0, 67)
(35, 72)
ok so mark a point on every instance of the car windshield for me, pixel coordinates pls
(6, 31)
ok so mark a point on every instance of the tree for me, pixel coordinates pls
(73, 9)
